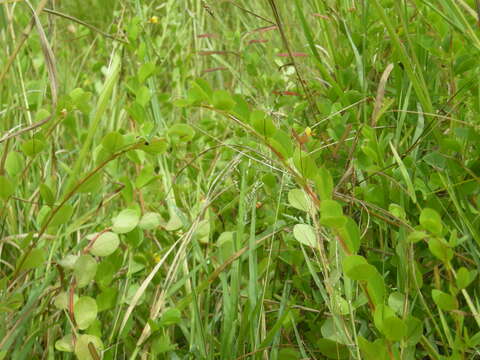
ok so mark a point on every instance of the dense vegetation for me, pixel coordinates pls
(240, 179)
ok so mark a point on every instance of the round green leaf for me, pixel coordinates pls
(332, 214)
(174, 223)
(305, 234)
(357, 268)
(222, 100)
(6, 187)
(416, 236)
(444, 301)
(147, 176)
(394, 328)
(105, 244)
(262, 123)
(61, 301)
(61, 216)
(107, 299)
(332, 349)
(84, 270)
(305, 164)
(440, 248)
(198, 93)
(41, 114)
(65, 344)
(324, 183)
(34, 259)
(289, 354)
(381, 313)
(465, 277)
(82, 350)
(396, 301)
(33, 147)
(241, 109)
(183, 132)
(92, 184)
(85, 311)
(375, 286)
(282, 143)
(126, 221)
(68, 262)
(300, 200)
(373, 351)
(350, 234)
(225, 244)
(145, 71)
(135, 237)
(162, 344)
(203, 231)
(170, 316)
(414, 330)
(431, 221)
(14, 163)
(155, 147)
(105, 273)
(47, 194)
(113, 141)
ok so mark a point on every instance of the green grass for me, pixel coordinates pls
(240, 180)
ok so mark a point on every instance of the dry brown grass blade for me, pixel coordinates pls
(381, 93)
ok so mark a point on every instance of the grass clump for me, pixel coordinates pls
(224, 180)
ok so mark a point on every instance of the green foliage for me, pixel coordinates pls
(444, 301)
(331, 214)
(112, 142)
(431, 221)
(34, 259)
(126, 221)
(232, 188)
(324, 184)
(84, 270)
(6, 187)
(262, 123)
(300, 200)
(105, 244)
(222, 100)
(84, 344)
(305, 234)
(14, 163)
(332, 350)
(305, 164)
(85, 311)
(33, 147)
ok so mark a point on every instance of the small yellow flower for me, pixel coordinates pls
(153, 20)
(157, 258)
(308, 131)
